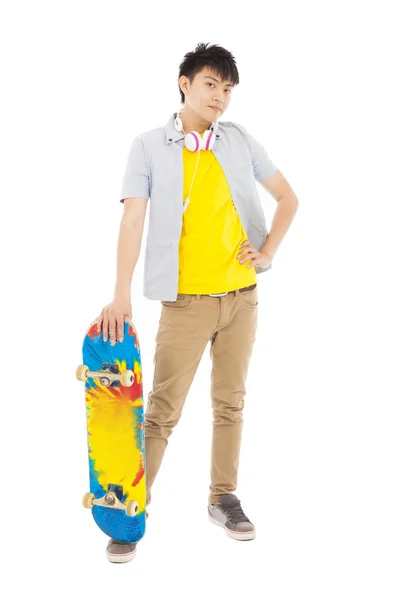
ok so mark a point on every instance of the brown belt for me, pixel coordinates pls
(245, 289)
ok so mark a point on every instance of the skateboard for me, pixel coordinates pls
(115, 433)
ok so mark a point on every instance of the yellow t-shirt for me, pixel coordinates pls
(211, 231)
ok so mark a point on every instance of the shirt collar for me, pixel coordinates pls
(172, 135)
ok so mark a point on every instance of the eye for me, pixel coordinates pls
(227, 90)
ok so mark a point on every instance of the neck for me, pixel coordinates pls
(192, 122)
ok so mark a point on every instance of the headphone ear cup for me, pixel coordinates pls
(208, 140)
(178, 124)
(193, 141)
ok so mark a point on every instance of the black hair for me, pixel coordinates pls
(221, 61)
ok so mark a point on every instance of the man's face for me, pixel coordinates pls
(207, 90)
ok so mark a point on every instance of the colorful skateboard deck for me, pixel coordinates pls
(115, 433)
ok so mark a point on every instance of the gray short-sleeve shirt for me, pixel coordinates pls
(154, 170)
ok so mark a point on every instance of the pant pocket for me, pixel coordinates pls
(250, 298)
(181, 301)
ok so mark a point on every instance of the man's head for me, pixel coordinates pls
(206, 78)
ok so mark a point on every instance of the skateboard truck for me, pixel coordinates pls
(109, 375)
(111, 500)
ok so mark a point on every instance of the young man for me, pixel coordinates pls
(206, 243)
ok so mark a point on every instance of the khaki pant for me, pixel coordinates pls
(186, 326)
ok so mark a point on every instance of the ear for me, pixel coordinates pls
(183, 83)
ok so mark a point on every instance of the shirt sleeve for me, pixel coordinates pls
(136, 181)
(263, 167)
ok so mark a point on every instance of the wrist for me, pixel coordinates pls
(122, 294)
(270, 253)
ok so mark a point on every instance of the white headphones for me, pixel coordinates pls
(193, 141)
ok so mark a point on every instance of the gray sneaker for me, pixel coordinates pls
(228, 513)
(120, 552)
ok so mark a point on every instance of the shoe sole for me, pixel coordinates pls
(236, 535)
(121, 558)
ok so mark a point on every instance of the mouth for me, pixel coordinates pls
(215, 108)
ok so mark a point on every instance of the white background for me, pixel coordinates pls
(319, 471)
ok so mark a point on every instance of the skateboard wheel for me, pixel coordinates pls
(127, 378)
(88, 500)
(81, 372)
(132, 508)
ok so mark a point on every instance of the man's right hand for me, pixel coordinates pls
(111, 319)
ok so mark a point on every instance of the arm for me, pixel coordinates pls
(134, 195)
(129, 242)
(269, 176)
(111, 319)
(280, 190)
(135, 192)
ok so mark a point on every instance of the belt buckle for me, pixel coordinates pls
(217, 295)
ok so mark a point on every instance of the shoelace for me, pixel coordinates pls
(235, 513)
